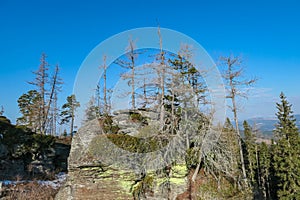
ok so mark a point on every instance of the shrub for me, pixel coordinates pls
(137, 117)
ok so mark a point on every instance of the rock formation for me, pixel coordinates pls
(94, 174)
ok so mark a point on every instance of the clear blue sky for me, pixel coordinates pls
(265, 33)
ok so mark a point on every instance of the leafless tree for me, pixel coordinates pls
(47, 89)
(105, 90)
(40, 82)
(236, 86)
(161, 74)
(130, 65)
(51, 107)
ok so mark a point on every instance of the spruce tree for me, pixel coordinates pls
(264, 170)
(251, 152)
(286, 152)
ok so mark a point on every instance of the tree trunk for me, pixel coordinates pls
(198, 166)
(238, 136)
(72, 125)
(104, 86)
(132, 82)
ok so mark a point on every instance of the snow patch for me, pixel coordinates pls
(55, 184)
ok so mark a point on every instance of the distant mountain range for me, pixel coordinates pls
(266, 126)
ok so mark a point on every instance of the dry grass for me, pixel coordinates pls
(26, 191)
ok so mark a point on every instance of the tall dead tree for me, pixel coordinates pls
(56, 85)
(54, 115)
(105, 103)
(40, 82)
(51, 106)
(161, 74)
(47, 89)
(98, 100)
(236, 87)
(132, 59)
(130, 65)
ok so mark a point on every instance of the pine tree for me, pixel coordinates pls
(286, 152)
(29, 105)
(68, 112)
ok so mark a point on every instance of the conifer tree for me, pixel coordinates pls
(223, 159)
(68, 112)
(29, 105)
(251, 152)
(92, 110)
(286, 152)
(264, 170)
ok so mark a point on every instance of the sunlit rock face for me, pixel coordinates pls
(93, 174)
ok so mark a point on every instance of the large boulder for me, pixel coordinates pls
(87, 177)
(94, 174)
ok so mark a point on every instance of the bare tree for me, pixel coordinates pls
(40, 82)
(47, 89)
(51, 106)
(105, 103)
(236, 86)
(130, 65)
(161, 74)
(54, 115)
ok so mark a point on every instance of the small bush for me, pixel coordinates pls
(138, 145)
(107, 124)
(137, 117)
(141, 187)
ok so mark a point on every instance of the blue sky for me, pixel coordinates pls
(265, 33)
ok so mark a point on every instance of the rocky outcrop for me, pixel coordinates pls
(41, 166)
(92, 173)
(87, 178)
(28, 155)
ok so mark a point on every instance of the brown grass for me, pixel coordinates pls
(28, 191)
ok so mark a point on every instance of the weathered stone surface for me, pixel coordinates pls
(87, 178)
(130, 126)
(90, 178)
